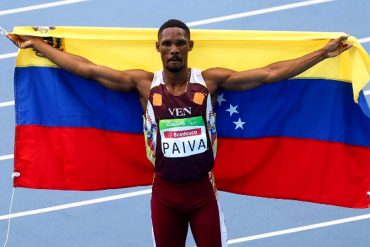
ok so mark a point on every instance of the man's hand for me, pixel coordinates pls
(21, 41)
(335, 47)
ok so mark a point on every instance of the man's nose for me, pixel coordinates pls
(174, 49)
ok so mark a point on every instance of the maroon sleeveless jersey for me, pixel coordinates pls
(180, 131)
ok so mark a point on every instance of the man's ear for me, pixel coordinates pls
(191, 45)
(157, 46)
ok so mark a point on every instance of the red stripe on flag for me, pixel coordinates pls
(302, 169)
(290, 168)
(79, 159)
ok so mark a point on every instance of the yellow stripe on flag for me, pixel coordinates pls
(134, 48)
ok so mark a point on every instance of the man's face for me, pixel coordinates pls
(174, 45)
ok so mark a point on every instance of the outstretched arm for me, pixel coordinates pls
(114, 79)
(232, 80)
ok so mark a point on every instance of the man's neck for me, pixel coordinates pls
(177, 82)
(176, 79)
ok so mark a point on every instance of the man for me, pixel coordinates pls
(179, 123)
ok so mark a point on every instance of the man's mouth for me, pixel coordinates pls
(174, 59)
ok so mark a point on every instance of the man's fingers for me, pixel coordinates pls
(342, 38)
(341, 45)
(347, 46)
(338, 46)
(10, 36)
(17, 40)
(13, 38)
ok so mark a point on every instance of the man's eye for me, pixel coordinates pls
(181, 43)
(166, 43)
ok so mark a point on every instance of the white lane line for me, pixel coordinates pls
(6, 103)
(8, 55)
(299, 229)
(76, 204)
(257, 12)
(364, 40)
(367, 92)
(7, 157)
(39, 6)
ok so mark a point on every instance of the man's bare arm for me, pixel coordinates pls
(232, 80)
(114, 79)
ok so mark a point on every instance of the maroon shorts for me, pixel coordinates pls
(175, 205)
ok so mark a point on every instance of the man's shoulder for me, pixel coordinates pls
(140, 75)
(212, 76)
(213, 73)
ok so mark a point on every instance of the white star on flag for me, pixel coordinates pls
(239, 124)
(220, 99)
(232, 109)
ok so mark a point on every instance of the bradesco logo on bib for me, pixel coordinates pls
(183, 137)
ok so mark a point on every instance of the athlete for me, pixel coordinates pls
(180, 123)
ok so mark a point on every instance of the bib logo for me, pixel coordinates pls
(180, 112)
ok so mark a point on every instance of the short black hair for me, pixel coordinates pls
(174, 23)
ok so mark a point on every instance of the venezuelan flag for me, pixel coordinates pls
(305, 138)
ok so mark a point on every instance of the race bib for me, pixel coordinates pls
(183, 137)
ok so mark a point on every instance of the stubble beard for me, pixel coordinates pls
(175, 69)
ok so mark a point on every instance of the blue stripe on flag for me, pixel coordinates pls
(301, 108)
(53, 97)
